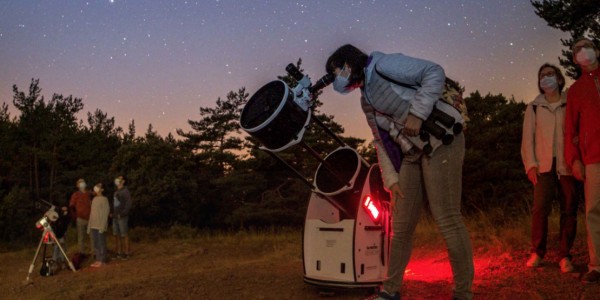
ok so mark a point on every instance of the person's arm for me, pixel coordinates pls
(528, 144)
(73, 206)
(428, 77)
(571, 134)
(105, 212)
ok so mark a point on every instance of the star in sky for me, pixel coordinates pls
(158, 61)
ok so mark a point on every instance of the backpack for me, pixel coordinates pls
(452, 94)
(78, 259)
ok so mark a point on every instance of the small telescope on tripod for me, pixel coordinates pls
(347, 224)
(48, 237)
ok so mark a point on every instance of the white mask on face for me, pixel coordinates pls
(586, 56)
(82, 186)
(549, 83)
(117, 182)
(97, 189)
(340, 84)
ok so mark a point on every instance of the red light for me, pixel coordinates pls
(371, 207)
(47, 237)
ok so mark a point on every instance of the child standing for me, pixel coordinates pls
(98, 224)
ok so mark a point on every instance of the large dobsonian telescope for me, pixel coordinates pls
(347, 225)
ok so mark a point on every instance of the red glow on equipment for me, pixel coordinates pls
(372, 208)
(47, 238)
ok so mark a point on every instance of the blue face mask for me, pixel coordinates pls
(549, 83)
(340, 84)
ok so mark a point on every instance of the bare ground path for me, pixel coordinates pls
(270, 267)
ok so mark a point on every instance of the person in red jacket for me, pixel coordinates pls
(582, 143)
(81, 205)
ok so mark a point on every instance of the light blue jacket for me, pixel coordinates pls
(427, 77)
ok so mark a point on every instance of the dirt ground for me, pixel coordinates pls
(271, 268)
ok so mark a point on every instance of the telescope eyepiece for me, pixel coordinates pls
(322, 82)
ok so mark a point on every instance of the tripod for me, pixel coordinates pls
(50, 233)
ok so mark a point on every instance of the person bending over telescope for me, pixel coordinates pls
(399, 93)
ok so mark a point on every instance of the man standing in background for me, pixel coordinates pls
(582, 143)
(80, 206)
(121, 207)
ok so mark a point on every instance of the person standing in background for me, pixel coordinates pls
(98, 224)
(542, 150)
(80, 206)
(582, 143)
(60, 230)
(121, 208)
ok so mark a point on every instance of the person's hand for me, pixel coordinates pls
(579, 170)
(532, 174)
(412, 125)
(396, 194)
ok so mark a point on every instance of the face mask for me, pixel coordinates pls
(97, 189)
(549, 83)
(117, 182)
(82, 186)
(586, 56)
(340, 83)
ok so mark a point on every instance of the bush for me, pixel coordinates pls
(16, 222)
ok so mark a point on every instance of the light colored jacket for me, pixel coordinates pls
(426, 76)
(542, 138)
(99, 214)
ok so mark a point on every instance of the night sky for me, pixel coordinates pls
(159, 61)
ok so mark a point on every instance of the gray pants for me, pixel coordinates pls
(82, 234)
(440, 177)
(592, 214)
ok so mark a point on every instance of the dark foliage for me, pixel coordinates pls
(493, 175)
(576, 17)
(214, 176)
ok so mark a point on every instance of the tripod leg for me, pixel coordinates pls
(35, 257)
(61, 249)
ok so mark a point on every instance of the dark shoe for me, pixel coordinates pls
(591, 277)
(383, 295)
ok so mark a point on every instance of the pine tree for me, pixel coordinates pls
(215, 136)
(578, 18)
(46, 129)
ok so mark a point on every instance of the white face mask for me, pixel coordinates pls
(82, 186)
(340, 84)
(549, 83)
(97, 189)
(117, 182)
(586, 56)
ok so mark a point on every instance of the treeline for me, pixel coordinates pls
(213, 175)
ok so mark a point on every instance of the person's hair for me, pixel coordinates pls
(79, 181)
(582, 38)
(99, 184)
(121, 179)
(354, 57)
(559, 77)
